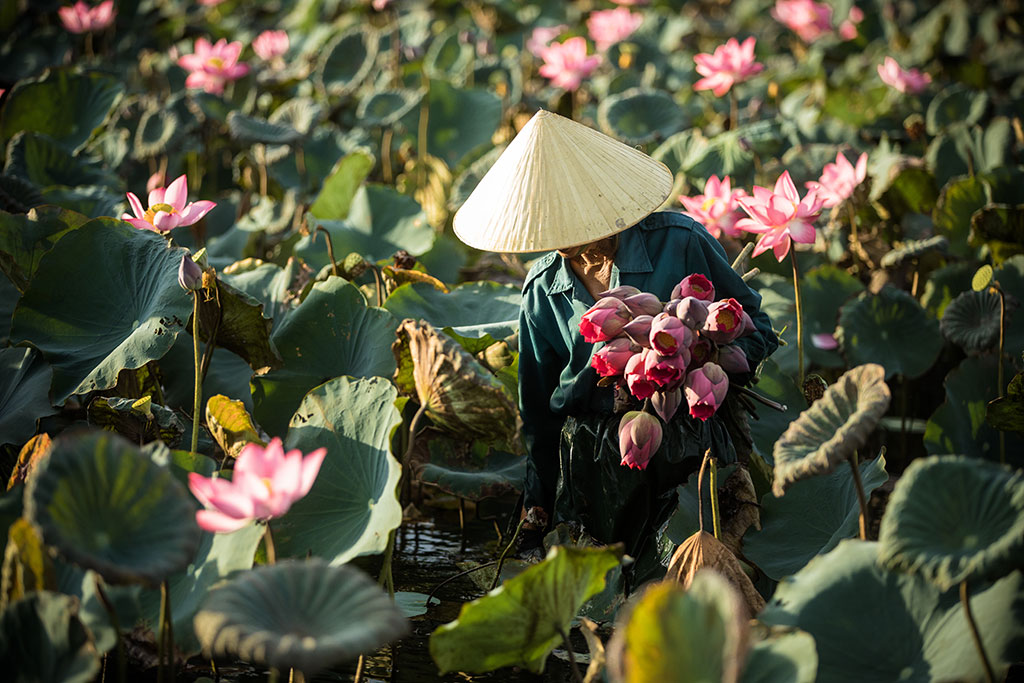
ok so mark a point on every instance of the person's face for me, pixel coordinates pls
(573, 252)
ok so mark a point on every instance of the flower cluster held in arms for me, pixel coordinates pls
(666, 353)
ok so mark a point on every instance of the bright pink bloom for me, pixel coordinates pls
(692, 311)
(780, 215)
(610, 360)
(80, 18)
(542, 37)
(848, 29)
(726, 321)
(824, 341)
(716, 209)
(695, 285)
(210, 3)
(639, 330)
(733, 359)
(265, 483)
(705, 389)
(838, 180)
(639, 438)
(669, 334)
(167, 208)
(156, 180)
(604, 320)
(636, 378)
(912, 81)
(567, 64)
(665, 371)
(729, 64)
(271, 45)
(667, 402)
(611, 26)
(810, 20)
(212, 66)
(643, 303)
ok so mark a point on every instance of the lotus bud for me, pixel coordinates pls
(824, 341)
(610, 360)
(620, 292)
(190, 275)
(639, 438)
(604, 320)
(700, 352)
(692, 311)
(636, 378)
(725, 321)
(705, 389)
(669, 334)
(639, 330)
(643, 304)
(665, 371)
(667, 402)
(695, 285)
(733, 359)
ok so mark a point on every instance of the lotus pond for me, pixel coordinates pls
(257, 198)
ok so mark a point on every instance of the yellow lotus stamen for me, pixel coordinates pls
(708, 203)
(152, 211)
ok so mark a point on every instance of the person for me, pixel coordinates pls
(590, 202)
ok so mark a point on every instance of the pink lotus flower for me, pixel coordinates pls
(639, 438)
(80, 18)
(810, 20)
(265, 483)
(631, 3)
(824, 341)
(167, 208)
(567, 64)
(780, 216)
(692, 311)
(622, 292)
(380, 5)
(639, 330)
(726, 321)
(604, 320)
(643, 303)
(705, 389)
(716, 209)
(669, 334)
(154, 181)
(665, 371)
(695, 285)
(610, 360)
(848, 29)
(271, 45)
(611, 26)
(733, 359)
(212, 66)
(912, 81)
(636, 378)
(666, 403)
(210, 3)
(839, 180)
(729, 64)
(542, 36)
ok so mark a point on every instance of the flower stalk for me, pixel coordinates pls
(862, 498)
(975, 634)
(799, 316)
(198, 398)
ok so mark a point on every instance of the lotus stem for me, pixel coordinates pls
(799, 315)
(380, 284)
(485, 565)
(734, 109)
(713, 472)
(197, 403)
(330, 248)
(385, 154)
(406, 475)
(268, 542)
(700, 489)
(300, 163)
(903, 415)
(739, 263)
(421, 135)
(999, 367)
(975, 635)
(759, 398)
(387, 578)
(296, 676)
(576, 675)
(166, 642)
(112, 614)
(861, 497)
(501, 559)
(360, 665)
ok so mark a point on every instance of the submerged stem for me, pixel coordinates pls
(387, 578)
(197, 404)
(576, 675)
(799, 316)
(861, 497)
(412, 442)
(166, 632)
(975, 635)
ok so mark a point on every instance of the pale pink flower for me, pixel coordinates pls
(692, 311)
(839, 180)
(80, 18)
(265, 483)
(213, 65)
(643, 303)
(156, 180)
(729, 64)
(906, 81)
(669, 334)
(717, 208)
(639, 438)
(780, 216)
(848, 29)
(622, 292)
(209, 3)
(733, 359)
(726, 321)
(631, 3)
(167, 208)
(639, 330)
(610, 26)
(380, 5)
(567, 64)
(705, 390)
(542, 37)
(270, 45)
(810, 20)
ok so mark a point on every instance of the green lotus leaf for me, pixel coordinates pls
(299, 113)
(913, 249)
(42, 640)
(17, 195)
(243, 329)
(1007, 413)
(1000, 227)
(332, 333)
(780, 655)
(250, 129)
(124, 319)
(681, 150)
(677, 634)
(386, 107)
(42, 161)
(958, 201)
(522, 621)
(461, 120)
(25, 238)
(952, 519)
(873, 625)
(971, 321)
(448, 58)
(93, 201)
(503, 76)
(9, 297)
(890, 328)
(955, 104)
(106, 506)
(501, 473)
(340, 187)
(353, 505)
(271, 285)
(732, 153)
(228, 375)
(24, 389)
(638, 116)
(65, 105)
(810, 520)
(411, 604)
(347, 60)
(158, 127)
(830, 431)
(943, 285)
(472, 309)
(137, 423)
(304, 615)
(467, 181)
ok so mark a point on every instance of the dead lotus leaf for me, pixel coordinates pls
(740, 509)
(31, 453)
(27, 566)
(231, 425)
(702, 550)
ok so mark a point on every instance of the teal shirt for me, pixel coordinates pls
(555, 377)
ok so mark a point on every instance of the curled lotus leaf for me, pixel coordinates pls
(305, 615)
(831, 430)
(24, 384)
(915, 249)
(137, 420)
(250, 129)
(458, 392)
(107, 507)
(230, 425)
(158, 128)
(347, 60)
(954, 518)
(971, 321)
(704, 551)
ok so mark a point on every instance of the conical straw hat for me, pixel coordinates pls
(560, 184)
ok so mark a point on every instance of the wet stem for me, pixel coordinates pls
(713, 475)
(576, 675)
(965, 600)
(799, 315)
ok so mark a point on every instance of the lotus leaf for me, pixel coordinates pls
(341, 185)
(638, 116)
(158, 127)
(242, 327)
(472, 309)
(500, 75)
(958, 201)
(1000, 227)
(24, 385)
(770, 424)
(971, 321)
(459, 393)
(943, 285)
(304, 615)
(228, 375)
(93, 201)
(955, 104)
(42, 640)
(501, 473)
(320, 152)
(830, 431)
(347, 60)
(672, 634)
(29, 456)
(871, 624)
(411, 604)
(272, 285)
(780, 655)
(105, 506)
(681, 150)
(732, 152)
(461, 121)
(231, 425)
(952, 519)
(467, 181)
(18, 195)
(250, 129)
(1007, 413)
(519, 623)
(353, 505)
(332, 333)
(42, 161)
(124, 319)
(703, 551)
(27, 565)
(137, 420)
(448, 58)
(24, 239)
(889, 328)
(913, 249)
(299, 113)
(386, 108)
